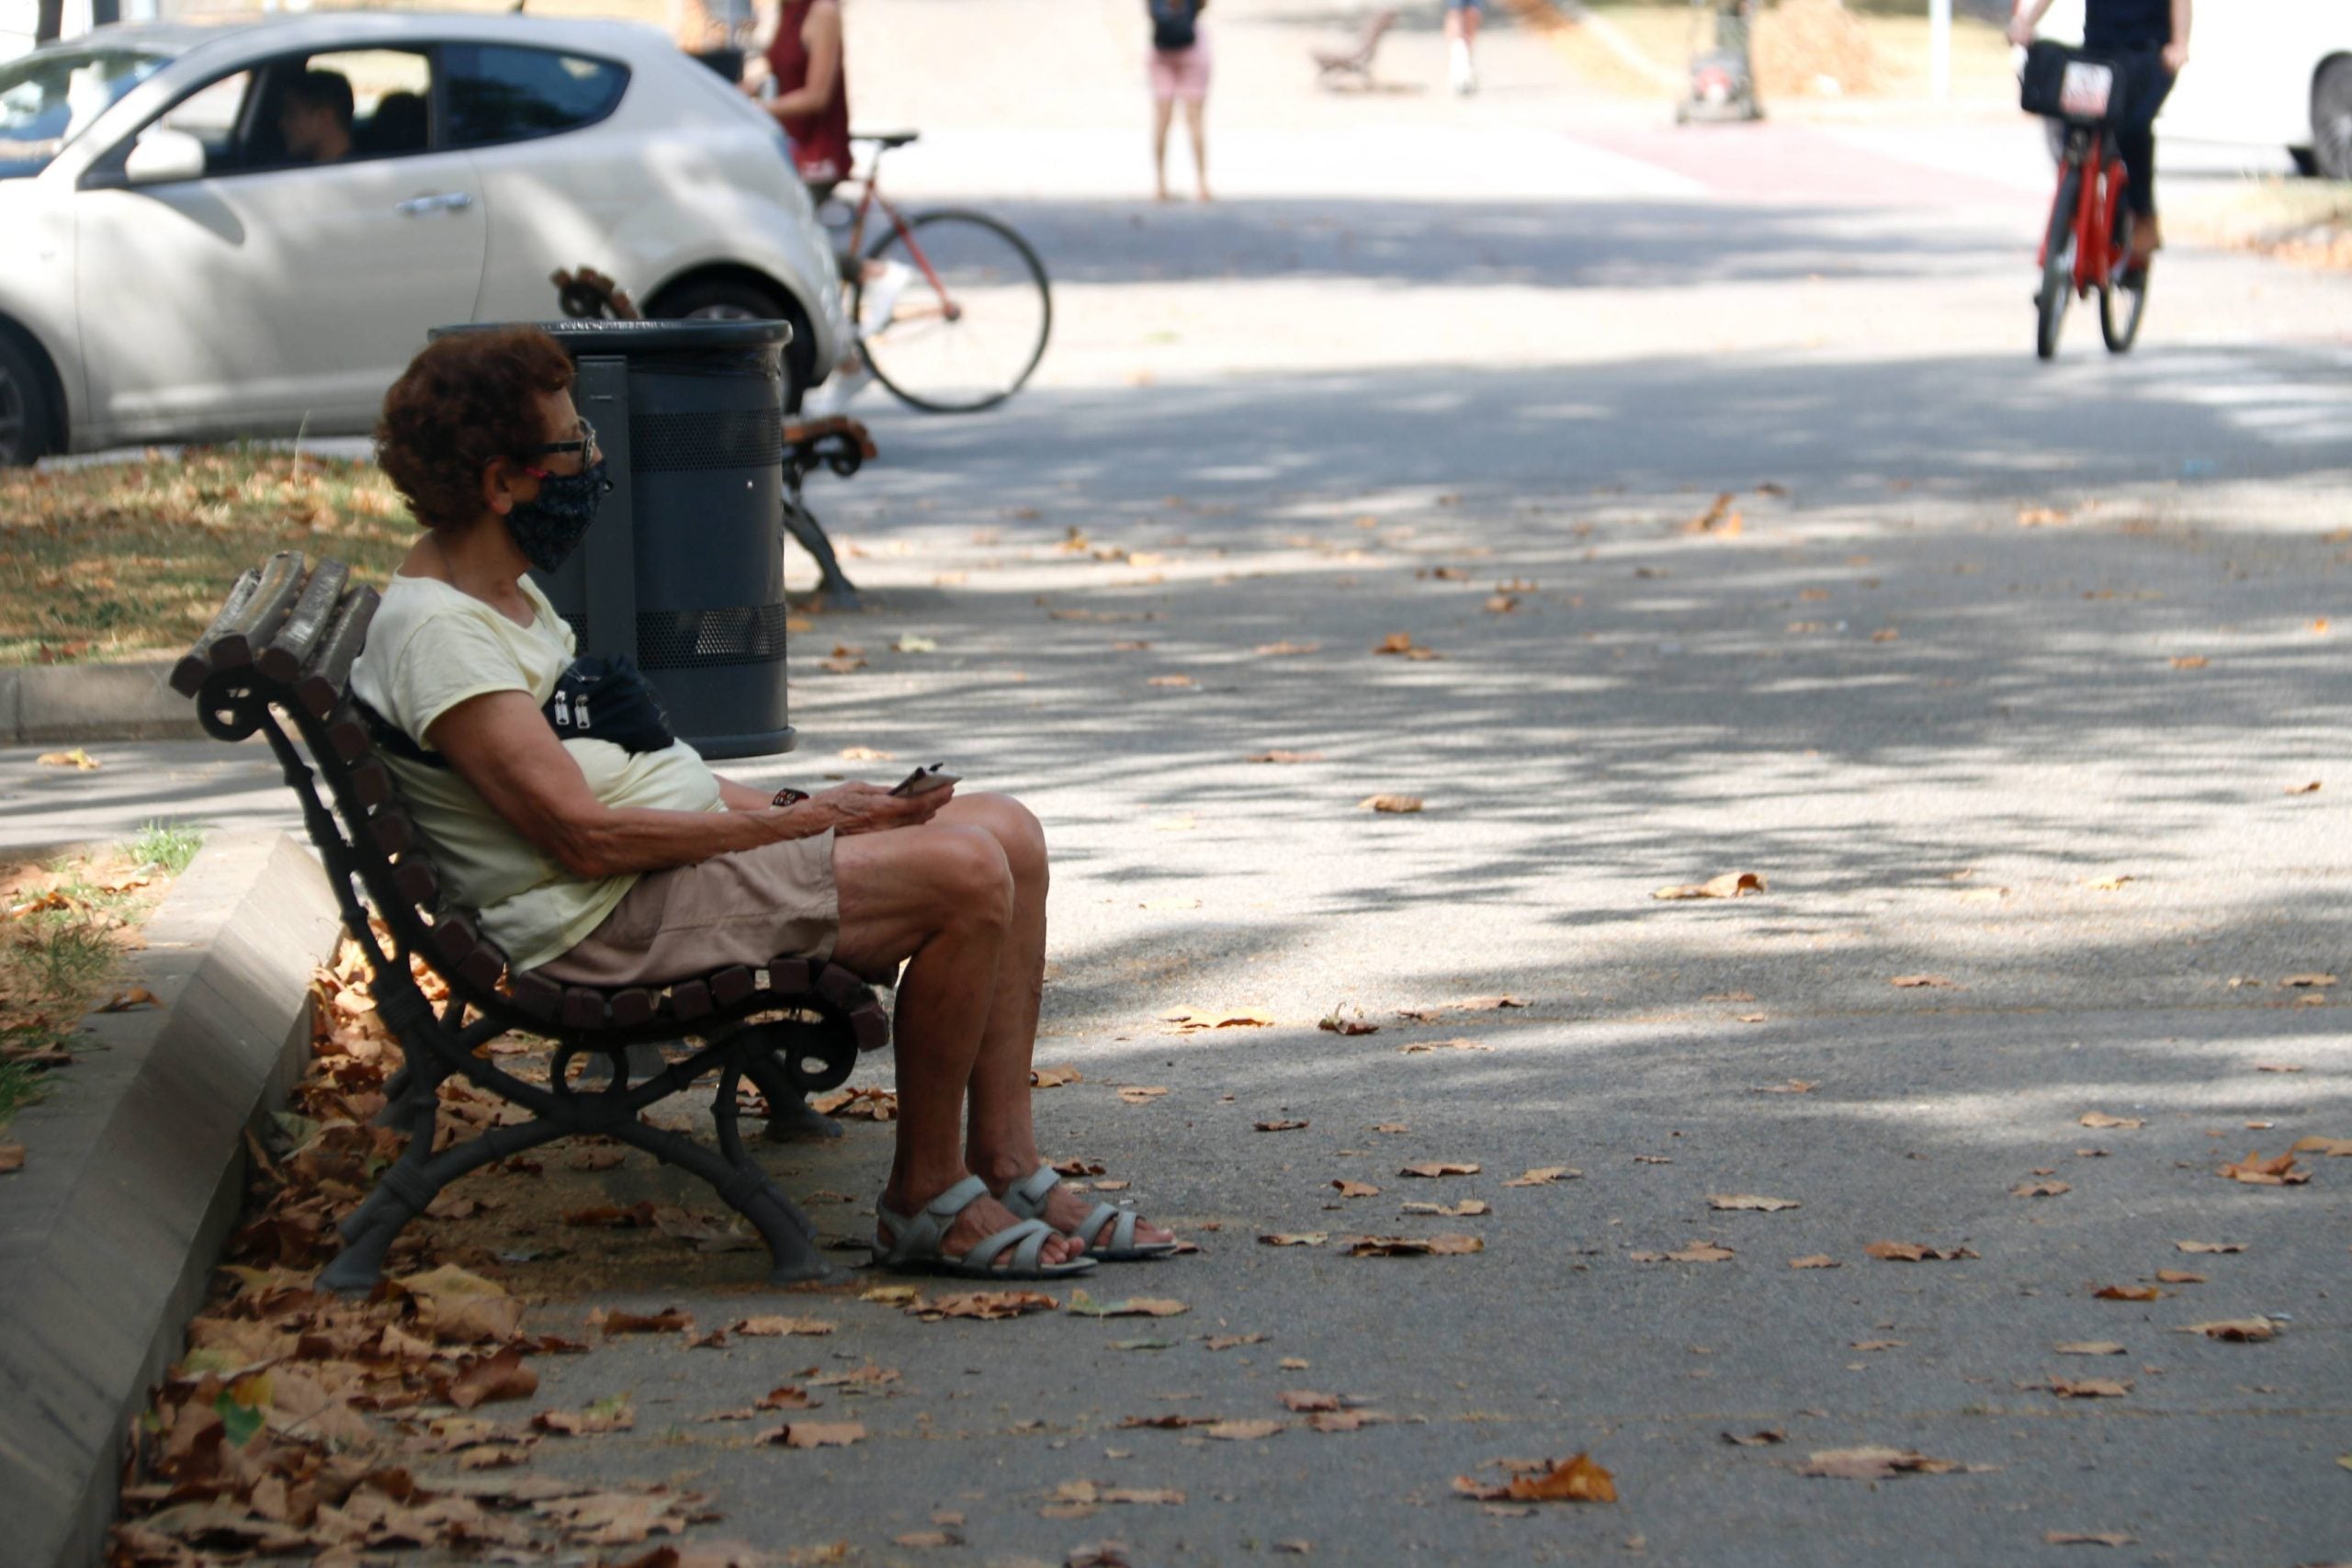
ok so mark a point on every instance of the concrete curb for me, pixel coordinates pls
(135, 1176)
(131, 701)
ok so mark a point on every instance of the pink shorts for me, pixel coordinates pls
(1180, 72)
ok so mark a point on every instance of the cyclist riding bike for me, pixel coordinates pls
(2147, 42)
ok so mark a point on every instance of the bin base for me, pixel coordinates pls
(760, 743)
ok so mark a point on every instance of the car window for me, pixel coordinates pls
(338, 107)
(48, 98)
(507, 93)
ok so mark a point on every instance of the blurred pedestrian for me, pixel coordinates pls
(719, 33)
(1180, 72)
(811, 97)
(1461, 39)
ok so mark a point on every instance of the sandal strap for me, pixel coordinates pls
(957, 1199)
(915, 1235)
(1027, 1196)
(1027, 1239)
(1123, 1233)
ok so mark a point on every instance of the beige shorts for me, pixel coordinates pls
(746, 907)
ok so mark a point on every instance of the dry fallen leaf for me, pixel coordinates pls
(1287, 1125)
(1468, 1209)
(2127, 1294)
(2211, 1246)
(2190, 661)
(2089, 1537)
(1285, 757)
(76, 758)
(2090, 1388)
(1243, 1431)
(12, 1157)
(1440, 1167)
(1875, 1465)
(1174, 682)
(1921, 982)
(1817, 1261)
(2089, 1348)
(1291, 1238)
(1744, 1201)
(1190, 1021)
(1425, 1047)
(988, 1306)
(816, 1434)
(1730, 885)
(1543, 1175)
(2311, 788)
(1697, 1252)
(1139, 1094)
(1576, 1479)
(1402, 643)
(2255, 1171)
(2102, 1119)
(1765, 1437)
(1912, 1252)
(2237, 1330)
(2333, 1148)
(1794, 1085)
(2308, 982)
(1411, 1246)
(2179, 1277)
(2041, 516)
(1285, 648)
(1085, 1305)
(1393, 805)
(1346, 1021)
(1347, 1188)
(1054, 1077)
(2041, 1190)
(137, 997)
(771, 1328)
(865, 754)
(1229, 1341)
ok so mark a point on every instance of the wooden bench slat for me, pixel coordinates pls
(372, 783)
(631, 1006)
(416, 881)
(732, 985)
(391, 831)
(788, 976)
(582, 1008)
(289, 649)
(348, 734)
(188, 675)
(689, 999)
(483, 965)
(535, 994)
(273, 596)
(320, 685)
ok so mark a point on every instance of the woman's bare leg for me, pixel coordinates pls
(940, 897)
(1163, 111)
(1000, 1131)
(1196, 121)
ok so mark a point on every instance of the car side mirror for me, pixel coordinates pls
(163, 155)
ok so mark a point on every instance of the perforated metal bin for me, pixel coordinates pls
(684, 570)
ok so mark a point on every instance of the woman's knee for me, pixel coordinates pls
(969, 872)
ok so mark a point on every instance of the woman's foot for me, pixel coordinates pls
(1065, 1210)
(980, 1219)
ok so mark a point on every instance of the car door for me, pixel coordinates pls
(559, 181)
(273, 293)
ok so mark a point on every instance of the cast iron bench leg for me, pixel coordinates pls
(802, 525)
(409, 1185)
(790, 1120)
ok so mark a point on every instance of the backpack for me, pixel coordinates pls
(1172, 25)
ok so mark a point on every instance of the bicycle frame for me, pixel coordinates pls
(2100, 199)
(870, 197)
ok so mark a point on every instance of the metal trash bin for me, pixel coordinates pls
(684, 570)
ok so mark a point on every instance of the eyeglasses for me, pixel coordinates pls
(583, 443)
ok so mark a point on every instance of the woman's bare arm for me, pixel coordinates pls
(822, 33)
(500, 743)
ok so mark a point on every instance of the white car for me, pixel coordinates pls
(2261, 73)
(183, 256)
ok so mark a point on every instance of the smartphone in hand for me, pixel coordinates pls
(922, 781)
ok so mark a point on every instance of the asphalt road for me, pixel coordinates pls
(2000, 676)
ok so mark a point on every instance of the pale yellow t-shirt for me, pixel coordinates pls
(431, 646)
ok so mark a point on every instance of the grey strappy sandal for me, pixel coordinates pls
(916, 1238)
(1027, 1199)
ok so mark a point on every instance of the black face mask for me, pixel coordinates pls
(549, 529)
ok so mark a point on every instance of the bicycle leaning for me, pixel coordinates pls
(951, 308)
(2087, 244)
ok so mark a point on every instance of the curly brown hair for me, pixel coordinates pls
(469, 397)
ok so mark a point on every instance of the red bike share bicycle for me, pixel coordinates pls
(2087, 245)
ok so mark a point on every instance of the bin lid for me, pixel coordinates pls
(627, 338)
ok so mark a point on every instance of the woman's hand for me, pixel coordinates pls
(859, 808)
(2177, 56)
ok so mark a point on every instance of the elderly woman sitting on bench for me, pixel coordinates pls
(606, 854)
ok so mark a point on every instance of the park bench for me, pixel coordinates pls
(279, 655)
(1333, 66)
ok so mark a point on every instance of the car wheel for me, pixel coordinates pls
(2306, 160)
(736, 299)
(25, 412)
(2331, 119)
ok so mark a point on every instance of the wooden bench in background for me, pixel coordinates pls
(277, 658)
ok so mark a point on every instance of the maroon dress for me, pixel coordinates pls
(819, 141)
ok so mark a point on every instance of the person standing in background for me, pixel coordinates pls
(1461, 39)
(812, 99)
(719, 33)
(1179, 70)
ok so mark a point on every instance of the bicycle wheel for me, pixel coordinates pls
(965, 321)
(2058, 263)
(2123, 297)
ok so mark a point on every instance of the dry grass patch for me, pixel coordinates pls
(116, 559)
